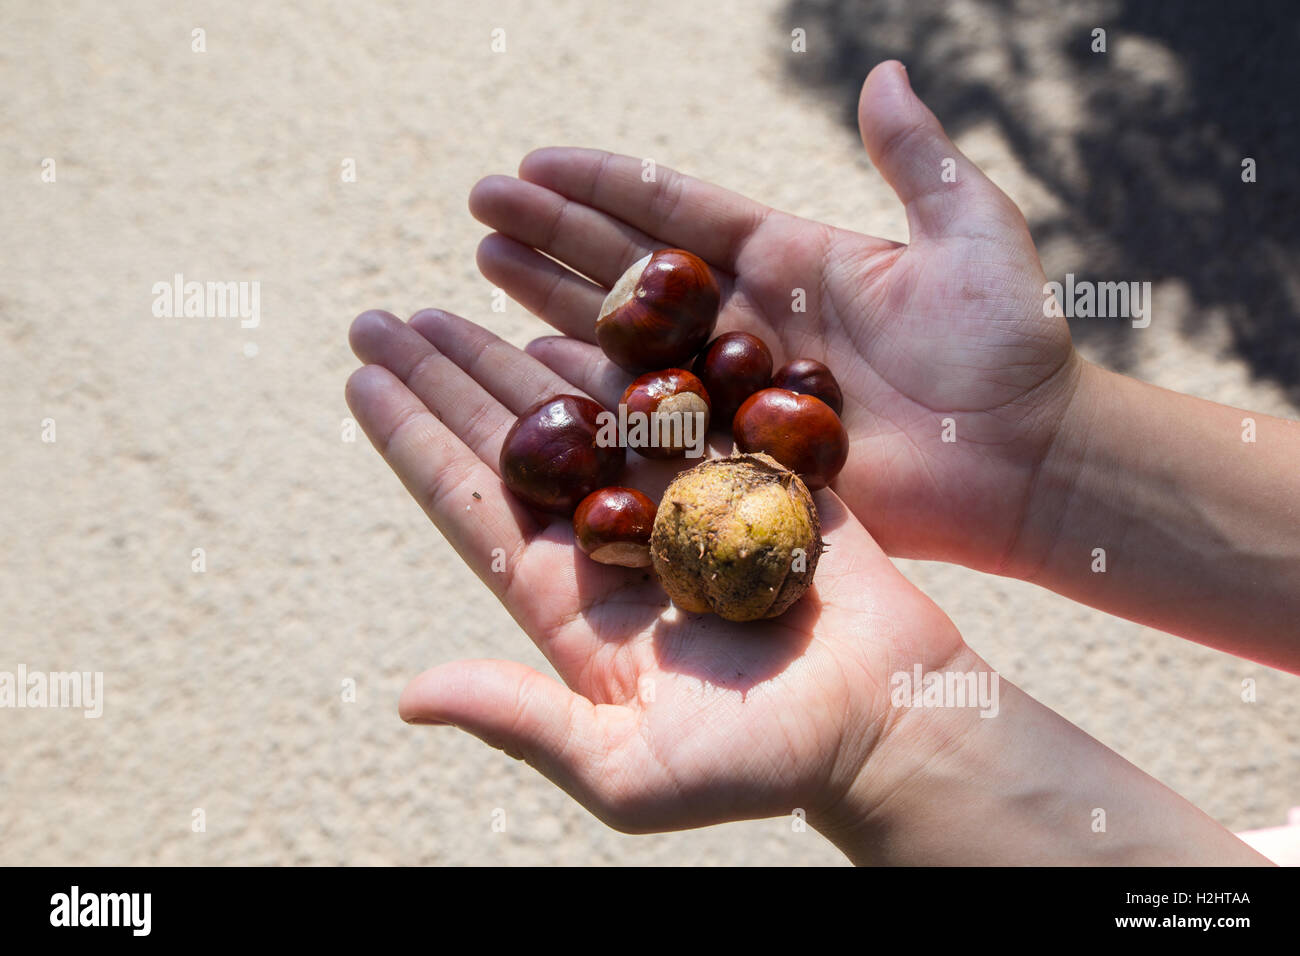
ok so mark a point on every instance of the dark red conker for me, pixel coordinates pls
(799, 431)
(810, 377)
(733, 367)
(673, 394)
(613, 526)
(551, 459)
(660, 312)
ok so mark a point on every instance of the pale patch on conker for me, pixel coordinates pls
(683, 403)
(675, 411)
(627, 554)
(729, 534)
(624, 288)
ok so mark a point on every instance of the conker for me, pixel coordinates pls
(799, 431)
(659, 313)
(673, 401)
(613, 526)
(551, 459)
(733, 367)
(810, 377)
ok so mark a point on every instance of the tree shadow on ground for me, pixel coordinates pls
(1141, 146)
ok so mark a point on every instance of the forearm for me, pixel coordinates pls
(1024, 787)
(1150, 505)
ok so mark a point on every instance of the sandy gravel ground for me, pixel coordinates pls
(223, 688)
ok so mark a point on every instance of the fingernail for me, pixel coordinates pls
(426, 721)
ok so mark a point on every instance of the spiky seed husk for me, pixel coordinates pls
(725, 538)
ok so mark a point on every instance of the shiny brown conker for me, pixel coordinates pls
(613, 526)
(667, 398)
(799, 431)
(660, 312)
(810, 377)
(551, 458)
(733, 367)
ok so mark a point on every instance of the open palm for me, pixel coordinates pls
(669, 719)
(954, 380)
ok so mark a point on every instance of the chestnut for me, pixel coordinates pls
(551, 458)
(810, 377)
(675, 405)
(799, 431)
(733, 367)
(660, 312)
(613, 526)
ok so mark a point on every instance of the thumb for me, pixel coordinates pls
(513, 708)
(945, 193)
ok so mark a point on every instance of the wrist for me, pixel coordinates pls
(865, 821)
(1020, 786)
(1059, 470)
(1171, 511)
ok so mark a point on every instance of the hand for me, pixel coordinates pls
(672, 720)
(951, 325)
(669, 720)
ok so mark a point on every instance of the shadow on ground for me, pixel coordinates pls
(1142, 145)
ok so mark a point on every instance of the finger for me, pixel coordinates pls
(516, 380)
(442, 474)
(520, 380)
(472, 414)
(535, 571)
(674, 209)
(908, 145)
(593, 243)
(582, 364)
(542, 286)
(529, 716)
